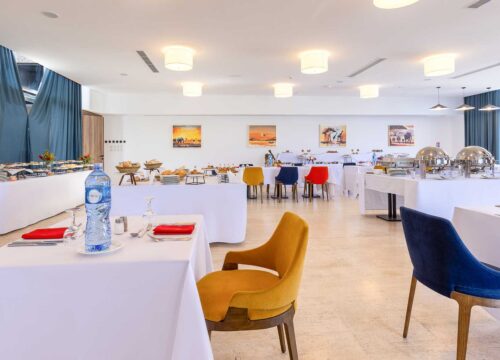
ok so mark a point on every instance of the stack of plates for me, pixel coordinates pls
(396, 172)
(170, 179)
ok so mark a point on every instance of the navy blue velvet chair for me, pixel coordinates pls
(288, 175)
(443, 263)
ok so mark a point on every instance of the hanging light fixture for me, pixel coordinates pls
(393, 4)
(314, 61)
(439, 65)
(438, 106)
(178, 58)
(489, 106)
(369, 91)
(283, 90)
(192, 89)
(464, 106)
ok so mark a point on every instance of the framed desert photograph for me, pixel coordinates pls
(332, 135)
(262, 135)
(186, 136)
(401, 135)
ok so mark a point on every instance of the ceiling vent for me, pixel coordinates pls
(476, 71)
(365, 68)
(478, 4)
(147, 60)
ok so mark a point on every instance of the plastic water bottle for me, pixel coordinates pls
(97, 205)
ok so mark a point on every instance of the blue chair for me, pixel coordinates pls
(287, 176)
(443, 263)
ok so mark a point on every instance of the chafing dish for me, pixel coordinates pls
(474, 159)
(433, 157)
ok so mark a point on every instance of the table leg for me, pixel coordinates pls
(392, 214)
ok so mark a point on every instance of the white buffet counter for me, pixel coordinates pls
(27, 201)
(478, 227)
(431, 195)
(140, 302)
(224, 206)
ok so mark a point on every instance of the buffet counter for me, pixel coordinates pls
(25, 202)
(224, 206)
(431, 195)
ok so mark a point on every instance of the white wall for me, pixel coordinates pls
(224, 138)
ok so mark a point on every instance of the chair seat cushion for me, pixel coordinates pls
(217, 289)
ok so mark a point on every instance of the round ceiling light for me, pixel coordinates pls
(283, 90)
(50, 14)
(192, 89)
(439, 65)
(314, 61)
(369, 91)
(393, 4)
(178, 58)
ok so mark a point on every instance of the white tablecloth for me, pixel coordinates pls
(224, 206)
(433, 196)
(353, 178)
(138, 303)
(25, 202)
(478, 228)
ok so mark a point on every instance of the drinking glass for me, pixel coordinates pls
(149, 214)
(73, 230)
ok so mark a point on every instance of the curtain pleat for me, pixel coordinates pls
(13, 114)
(55, 121)
(482, 127)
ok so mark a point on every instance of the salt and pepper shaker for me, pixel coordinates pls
(125, 223)
(119, 226)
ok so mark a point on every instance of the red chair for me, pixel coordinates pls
(318, 175)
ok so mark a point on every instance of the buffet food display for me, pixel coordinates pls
(16, 171)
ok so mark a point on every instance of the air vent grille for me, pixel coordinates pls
(478, 4)
(147, 60)
(367, 67)
(476, 71)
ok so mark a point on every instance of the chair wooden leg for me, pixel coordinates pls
(280, 192)
(464, 310)
(327, 191)
(261, 197)
(290, 339)
(210, 334)
(410, 305)
(267, 190)
(296, 192)
(282, 338)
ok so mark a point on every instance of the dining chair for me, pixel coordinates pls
(254, 178)
(318, 175)
(287, 176)
(246, 299)
(443, 263)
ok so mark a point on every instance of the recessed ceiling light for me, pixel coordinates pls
(50, 14)
(314, 61)
(393, 4)
(439, 65)
(283, 90)
(192, 89)
(178, 58)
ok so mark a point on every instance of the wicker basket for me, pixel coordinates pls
(128, 170)
(152, 166)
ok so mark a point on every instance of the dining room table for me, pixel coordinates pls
(138, 302)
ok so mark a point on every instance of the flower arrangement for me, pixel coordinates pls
(86, 158)
(47, 156)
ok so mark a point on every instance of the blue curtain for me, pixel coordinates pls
(55, 120)
(13, 113)
(482, 127)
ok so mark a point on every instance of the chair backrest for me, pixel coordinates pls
(253, 176)
(287, 248)
(288, 175)
(318, 175)
(440, 259)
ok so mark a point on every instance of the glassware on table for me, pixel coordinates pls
(73, 230)
(149, 214)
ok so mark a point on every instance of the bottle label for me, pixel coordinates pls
(97, 195)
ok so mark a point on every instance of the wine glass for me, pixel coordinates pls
(72, 232)
(149, 214)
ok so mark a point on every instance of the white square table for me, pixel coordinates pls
(140, 302)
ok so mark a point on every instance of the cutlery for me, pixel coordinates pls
(149, 227)
(136, 234)
(28, 244)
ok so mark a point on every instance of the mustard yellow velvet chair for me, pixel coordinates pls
(253, 177)
(234, 299)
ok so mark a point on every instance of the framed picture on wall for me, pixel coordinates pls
(186, 136)
(332, 135)
(262, 135)
(401, 135)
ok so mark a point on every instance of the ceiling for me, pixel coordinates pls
(245, 46)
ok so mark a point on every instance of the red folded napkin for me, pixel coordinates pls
(52, 233)
(174, 229)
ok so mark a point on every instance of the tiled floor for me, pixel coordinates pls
(354, 293)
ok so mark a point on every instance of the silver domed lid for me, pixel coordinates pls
(433, 156)
(477, 155)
